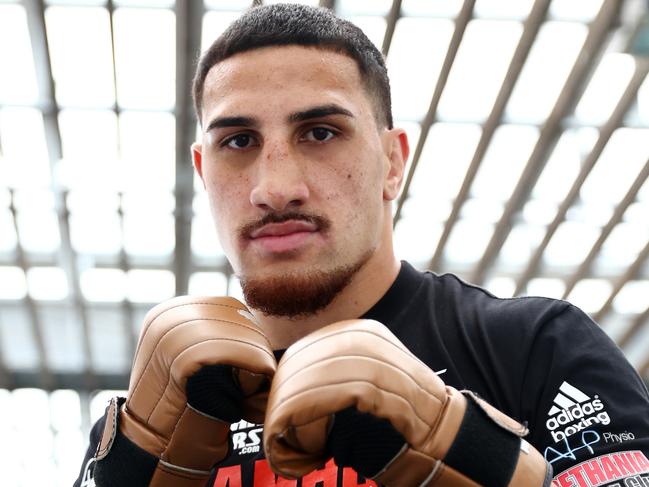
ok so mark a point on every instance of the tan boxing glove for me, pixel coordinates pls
(449, 438)
(190, 341)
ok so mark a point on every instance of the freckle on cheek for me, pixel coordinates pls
(349, 176)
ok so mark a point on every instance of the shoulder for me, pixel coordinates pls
(477, 305)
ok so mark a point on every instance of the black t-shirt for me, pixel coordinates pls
(541, 361)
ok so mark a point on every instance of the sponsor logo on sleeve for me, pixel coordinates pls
(246, 437)
(621, 469)
(574, 411)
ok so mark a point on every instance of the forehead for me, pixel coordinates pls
(279, 76)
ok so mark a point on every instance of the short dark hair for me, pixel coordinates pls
(293, 24)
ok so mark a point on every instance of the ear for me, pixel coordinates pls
(397, 150)
(197, 158)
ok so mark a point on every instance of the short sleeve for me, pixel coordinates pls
(587, 408)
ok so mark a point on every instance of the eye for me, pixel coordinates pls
(239, 141)
(319, 134)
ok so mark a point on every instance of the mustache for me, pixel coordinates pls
(322, 223)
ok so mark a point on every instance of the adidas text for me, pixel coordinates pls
(586, 414)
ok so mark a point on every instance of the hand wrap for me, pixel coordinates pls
(450, 438)
(200, 364)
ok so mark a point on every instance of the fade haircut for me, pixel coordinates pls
(292, 24)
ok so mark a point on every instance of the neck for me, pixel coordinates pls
(368, 285)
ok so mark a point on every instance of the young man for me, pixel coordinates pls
(301, 163)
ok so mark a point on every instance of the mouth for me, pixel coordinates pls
(288, 236)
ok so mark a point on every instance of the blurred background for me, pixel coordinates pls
(529, 128)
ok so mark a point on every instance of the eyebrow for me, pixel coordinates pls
(301, 116)
(318, 112)
(222, 122)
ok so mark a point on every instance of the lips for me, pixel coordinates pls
(277, 238)
(283, 229)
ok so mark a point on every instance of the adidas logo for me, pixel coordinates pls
(577, 410)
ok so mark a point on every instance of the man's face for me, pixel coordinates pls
(298, 174)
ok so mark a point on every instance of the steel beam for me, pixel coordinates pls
(570, 94)
(36, 23)
(530, 32)
(189, 21)
(629, 198)
(631, 273)
(615, 120)
(461, 22)
(391, 23)
(634, 328)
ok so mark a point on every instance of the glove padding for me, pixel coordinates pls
(360, 364)
(186, 345)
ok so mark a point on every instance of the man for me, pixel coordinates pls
(301, 163)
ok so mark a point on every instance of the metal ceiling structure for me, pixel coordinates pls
(616, 19)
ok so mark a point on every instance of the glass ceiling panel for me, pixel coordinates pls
(145, 58)
(148, 234)
(89, 145)
(37, 222)
(636, 352)
(479, 69)
(582, 11)
(589, 294)
(145, 3)
(208, 284)
(415, 238)
(632, 298)
(82, 55)
(149, 286)
(7, 231)
(539, 212)
(417, 8)
(643, 102)
(214, 23)
(227, 4)
(103, 285)
(148, 144)
(548, 287)
(205, 242)
(624, 244)
(595, 213)
(47, 283)
(18, 81)
(13, 284)
(467, 241)
(94, 223)
(503, 9)
(605, 88)
(503, 287)
(623, 157)
(24, 161)
(553, 54)
(570, 243)
(564, 164)
(62, 336)
(413, 82)
(445, 158)
(504, 161)
(39, 230)
(362, 7)
(521, 242)
(108, 342)
(16, 338)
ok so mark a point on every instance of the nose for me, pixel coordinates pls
(279, 180)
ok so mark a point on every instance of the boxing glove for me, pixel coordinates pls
(201, 363)
(448, 437)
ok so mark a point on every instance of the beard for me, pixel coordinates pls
(300, 294)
